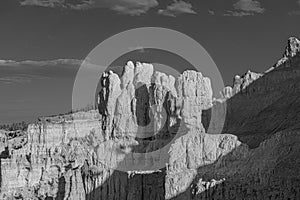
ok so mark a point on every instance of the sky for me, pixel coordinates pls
(42, 42)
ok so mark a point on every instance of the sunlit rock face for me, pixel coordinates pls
(108, 153)
(226, 93)
(240, 84)
(146, 101)
(75, 156)
(3, 141)
(189, 154)
(267, 172)
(51, 156)
(293, 47)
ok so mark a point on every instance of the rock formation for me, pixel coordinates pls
(291, 50)
(293, 47)
(72, 156)
(240, 84)
(109, 153)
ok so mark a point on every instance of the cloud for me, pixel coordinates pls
(245, 8)
(21, 78)
(22, 72)
(211, 12)
(237, 13)
(70, 64)
(73, 4)
(40, 63)
(129, 7)
(249, 6)
(298, 2)
(177, 8)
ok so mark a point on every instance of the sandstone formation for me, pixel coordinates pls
(109, 153)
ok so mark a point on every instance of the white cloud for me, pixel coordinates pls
(249, 6)
(12, 63)
(211, 12)
(246, 8)
(6, 62)
(230, 13)
(80, 4)
(129, 7)
(177, 8)
(21, 78)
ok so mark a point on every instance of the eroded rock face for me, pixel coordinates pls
(111, 89)
(227, 92)
(148, 102)
(267, 172)
(293, 47)
(240, 84)
(191, 152)
(196, 95)
(50, 161)
(76, 156)
(3, 141)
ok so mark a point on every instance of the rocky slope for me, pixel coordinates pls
(110, 153)
(259, 105)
